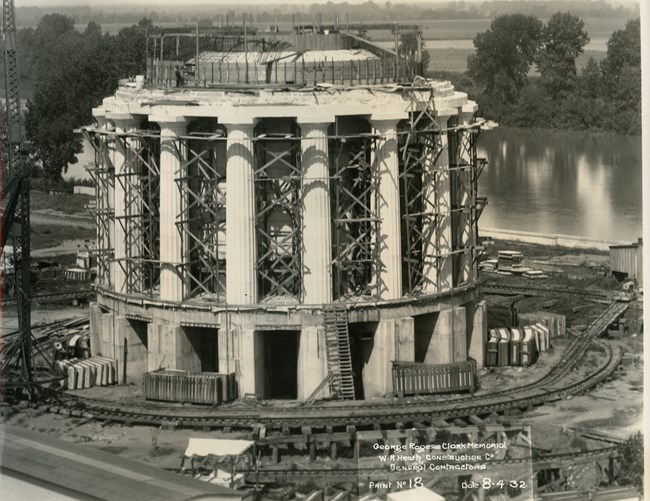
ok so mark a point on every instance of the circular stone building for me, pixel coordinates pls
(300, 221)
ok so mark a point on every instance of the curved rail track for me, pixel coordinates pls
(554, 385)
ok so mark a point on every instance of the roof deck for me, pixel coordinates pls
(299, 59)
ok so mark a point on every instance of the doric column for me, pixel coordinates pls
(241, 245)
(389, 242)
(173, 286)
(437, 266)
(124, 123)
(316, 218)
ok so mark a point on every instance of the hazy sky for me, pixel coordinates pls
(153, 3)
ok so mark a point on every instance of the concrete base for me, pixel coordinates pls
(393, 341)
(95, 328)
(107, 338)
(170, 348)
(136, 356)
(312, 362)
(251, 381)
(447, 342)
(238, 342)
(478, 338)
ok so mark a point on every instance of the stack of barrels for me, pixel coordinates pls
(518, 346)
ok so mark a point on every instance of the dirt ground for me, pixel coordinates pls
(613, 409)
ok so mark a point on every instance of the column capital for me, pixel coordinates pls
(445, 114)
(237, 118)
(123, 121)
(315, 120)
(173, 122)
(387, 118)
(470, 107)
(245, 126)
(100, 116)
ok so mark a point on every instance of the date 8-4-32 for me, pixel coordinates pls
(487, 483)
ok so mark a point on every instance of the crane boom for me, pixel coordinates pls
(13, 121)
(17, 169)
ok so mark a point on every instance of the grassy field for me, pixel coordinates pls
(68, 204)
(438, 29)
(57, 218)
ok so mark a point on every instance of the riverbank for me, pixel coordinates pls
(549, 240)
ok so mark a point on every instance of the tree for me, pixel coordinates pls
(504, 54)
(630, 471)
(623, 57)
(590, 81)
(72, 74)
(563, 39)
(130, 46)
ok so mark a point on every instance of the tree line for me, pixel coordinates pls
(605, 95)
(64, 73)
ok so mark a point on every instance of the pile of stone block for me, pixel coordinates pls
(89, 372)
(554, 322)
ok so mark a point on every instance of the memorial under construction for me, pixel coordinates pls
(297, 210)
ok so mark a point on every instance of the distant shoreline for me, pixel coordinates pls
(549, 239)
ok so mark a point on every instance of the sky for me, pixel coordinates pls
(153, 3)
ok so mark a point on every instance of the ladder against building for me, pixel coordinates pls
(339, 360)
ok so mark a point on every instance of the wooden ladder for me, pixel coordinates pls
(339, 358)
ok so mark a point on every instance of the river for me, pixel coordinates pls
(546, 181)
(573, 183)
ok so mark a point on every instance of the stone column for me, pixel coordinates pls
(241, 244)
(173, 286)
(316, 220)
(124, 123)
(389, 241)
(436, 202)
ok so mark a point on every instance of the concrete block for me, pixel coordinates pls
(226, 340)
(110, 368)
(96, 325)
(312, 361)
(478, 335)
(250, 371)
(106, 343)
(441, 346)
(554, 322)
(405, 339)
(459, 334)
(393, 341)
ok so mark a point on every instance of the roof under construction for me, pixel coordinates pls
(234, 56)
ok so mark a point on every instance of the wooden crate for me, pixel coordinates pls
(191, 387)
(412, 378)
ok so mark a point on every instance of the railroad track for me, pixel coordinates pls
(54, 296)
(513, 290)
(397, 413)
